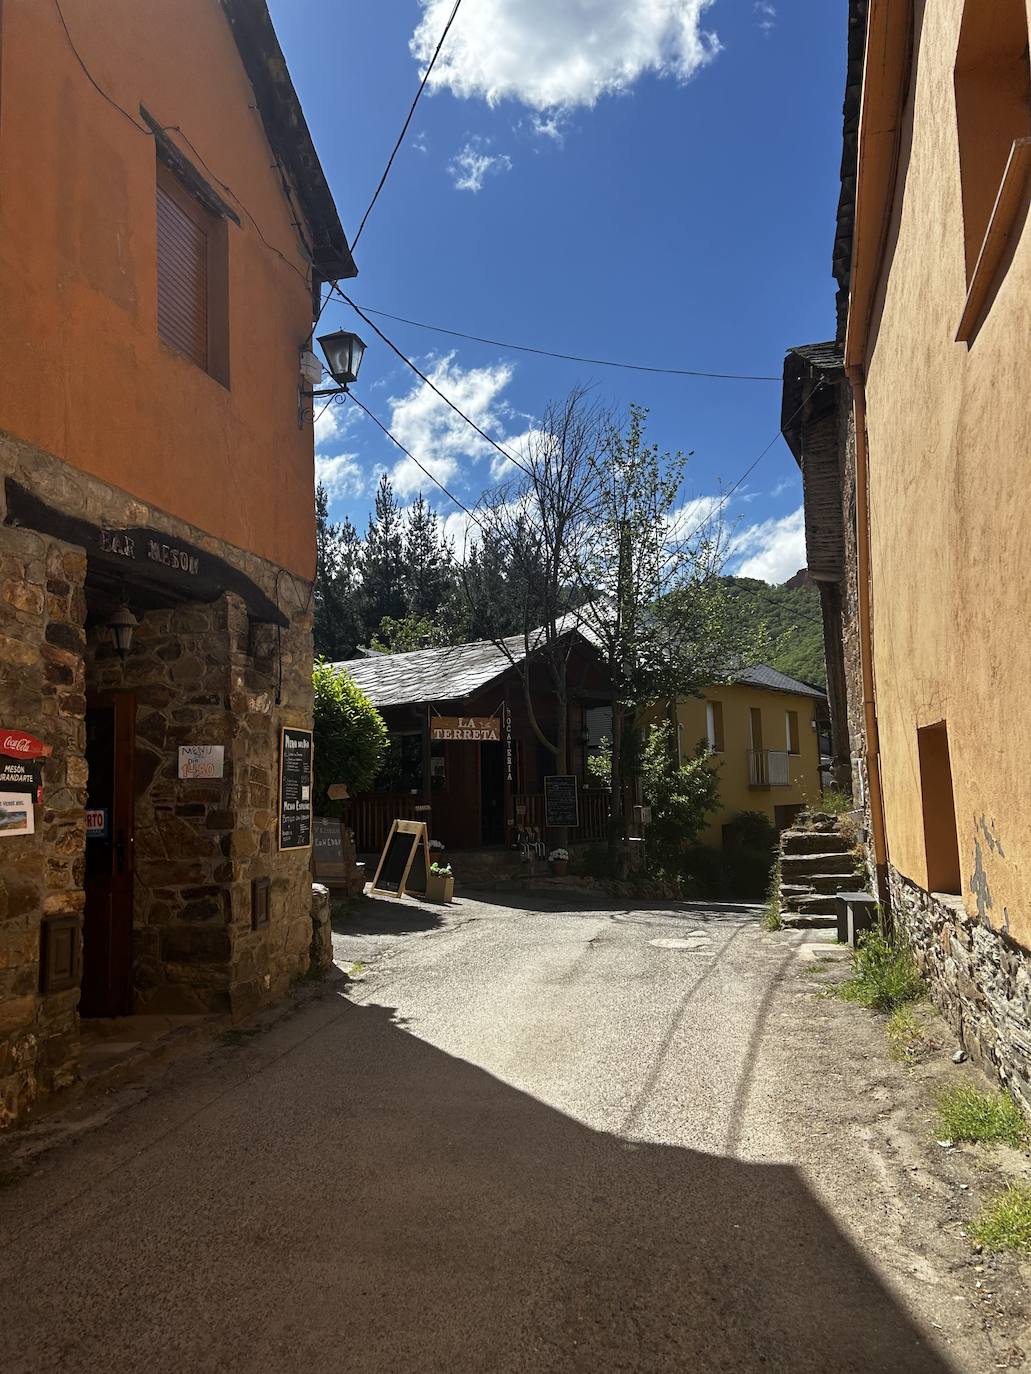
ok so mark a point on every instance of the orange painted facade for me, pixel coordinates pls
(84, 374)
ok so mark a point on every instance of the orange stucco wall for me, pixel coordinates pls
(82, 372)
(950, 443)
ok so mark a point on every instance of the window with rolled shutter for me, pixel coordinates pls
(182, 246)
(192, 273)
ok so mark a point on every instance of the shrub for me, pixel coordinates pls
(599, 765)
(772, 917)
(884, 974)
(680, 795)
(988, 1118)
(350, 736)
(727, 874)
(752, 830)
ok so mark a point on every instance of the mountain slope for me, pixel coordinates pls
(792, 616)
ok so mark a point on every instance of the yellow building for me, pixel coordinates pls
(762, 736)
(917, 521)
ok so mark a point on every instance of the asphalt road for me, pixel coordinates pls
(518, 1140)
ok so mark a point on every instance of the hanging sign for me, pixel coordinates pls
(17, 745)
(508, 744)
(560, 800)
(202, 760)
(483, 729)
(295, 760)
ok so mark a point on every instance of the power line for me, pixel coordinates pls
(404, 127)
(422, 468)
(575, 357)
(433, 386)
(748, 470)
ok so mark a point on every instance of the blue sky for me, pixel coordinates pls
(621, 178)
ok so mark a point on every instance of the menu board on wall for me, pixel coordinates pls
(295, 760)
(560, 800)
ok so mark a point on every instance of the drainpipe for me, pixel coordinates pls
(873, 764)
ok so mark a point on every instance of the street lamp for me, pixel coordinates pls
(122, 624)
(344, 352)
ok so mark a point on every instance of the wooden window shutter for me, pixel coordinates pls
(182, 263)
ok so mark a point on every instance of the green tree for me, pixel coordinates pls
(350, 736)
(407, 634)
(338, 568)
(655, 602)
(681, 796)
(429, 565)
(383, 583)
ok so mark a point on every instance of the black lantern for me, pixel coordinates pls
(121, 625)
(343, 352)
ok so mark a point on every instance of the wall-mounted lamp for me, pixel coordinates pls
(344, 352)
(122, 624)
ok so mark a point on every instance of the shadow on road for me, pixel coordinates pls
(360, 1200)
(379, 916)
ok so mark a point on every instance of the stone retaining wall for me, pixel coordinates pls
(978, 977)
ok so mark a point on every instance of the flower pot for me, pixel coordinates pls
(440, 887)
(559, 866)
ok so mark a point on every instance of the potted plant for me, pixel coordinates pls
(559, 860)
(440, 883)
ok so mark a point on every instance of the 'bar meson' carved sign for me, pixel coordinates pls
(124, 545)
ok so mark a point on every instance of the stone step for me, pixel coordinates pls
(802, 866)
(803, 920)
(812, 842)
(818, 885)
(815, 903)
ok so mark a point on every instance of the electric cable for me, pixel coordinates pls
(404, 127)
(575, 357)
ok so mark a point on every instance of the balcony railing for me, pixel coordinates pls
(768, 768)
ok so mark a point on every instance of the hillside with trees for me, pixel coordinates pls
(792, 616)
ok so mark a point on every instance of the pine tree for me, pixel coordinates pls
(338, 628)
(429, 576)
(383, 584)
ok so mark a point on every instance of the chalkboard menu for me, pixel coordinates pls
(328, 848)
(404, 861)
(560, 800)
(295, 757)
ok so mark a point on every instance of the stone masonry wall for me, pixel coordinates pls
(979, 978)
(42, 611)
(202, 673)
(202, 676)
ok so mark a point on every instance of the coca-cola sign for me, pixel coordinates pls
(18, 745)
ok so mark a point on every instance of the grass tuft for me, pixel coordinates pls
(988, 1118)
(1005, 1222)
(772, 919)
(884, 974)
(905, 1036)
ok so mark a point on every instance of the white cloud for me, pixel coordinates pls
(471, 166)
(773, 550)
(433, 433)
(787, 484)
(331, 421)
(420, 143)
(552, 56)
(765, 15)
(341, 474)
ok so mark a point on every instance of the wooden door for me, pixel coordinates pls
(107, 922)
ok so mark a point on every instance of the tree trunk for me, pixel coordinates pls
(616, 827)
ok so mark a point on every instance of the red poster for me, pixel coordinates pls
(17, 745)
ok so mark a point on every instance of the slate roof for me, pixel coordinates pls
(770, 678)
(432, 674)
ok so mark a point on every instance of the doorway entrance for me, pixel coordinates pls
(492, 794)
(107, 919)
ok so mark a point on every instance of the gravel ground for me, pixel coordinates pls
(521, 1137)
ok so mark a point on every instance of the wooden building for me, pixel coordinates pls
(462, 743)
